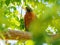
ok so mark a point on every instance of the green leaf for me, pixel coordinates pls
(18, 1)
(56, 42)
(7, 2)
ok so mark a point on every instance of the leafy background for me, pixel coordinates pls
(44, 29)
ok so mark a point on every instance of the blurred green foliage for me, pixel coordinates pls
(47, 11)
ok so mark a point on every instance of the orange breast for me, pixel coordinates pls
(29, 17)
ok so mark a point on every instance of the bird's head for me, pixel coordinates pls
(28, 9)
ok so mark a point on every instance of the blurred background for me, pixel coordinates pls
(45, 29)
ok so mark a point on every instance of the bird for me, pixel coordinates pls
(29, 17)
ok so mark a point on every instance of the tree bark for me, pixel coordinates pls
(16, 35)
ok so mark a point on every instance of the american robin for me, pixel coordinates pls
(29, 17)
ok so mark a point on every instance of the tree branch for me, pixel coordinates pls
(17, 35)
